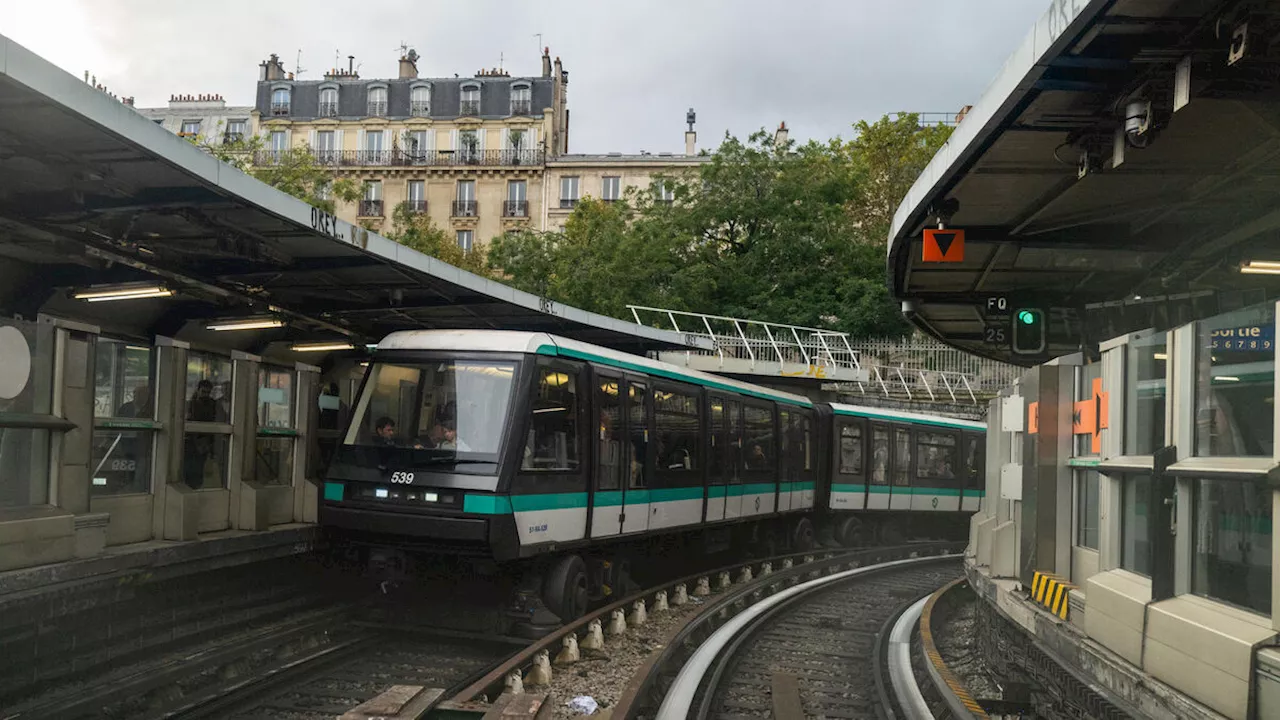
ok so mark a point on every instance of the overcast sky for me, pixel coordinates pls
(634, 68)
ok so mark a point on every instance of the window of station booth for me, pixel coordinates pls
(277, 434)
(1145, 392)
(1087, 518)
(1231, 558)
(124, 418)
(24, 401)
(206, 444)
(676, 421)
(1235, 383)
(758, 442)
(1135, 549)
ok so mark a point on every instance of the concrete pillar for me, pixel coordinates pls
(73, 380)
(305, 493)
(171, 520)
(1046, 492)
(247, 512)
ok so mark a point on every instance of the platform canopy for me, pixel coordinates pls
(1118, 172)
(93, 193)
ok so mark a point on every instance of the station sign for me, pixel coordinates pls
(1254, 338)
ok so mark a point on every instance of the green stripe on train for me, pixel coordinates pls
(664, 373)
(921, 421)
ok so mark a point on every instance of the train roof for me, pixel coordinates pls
(540, 343)
(921, 418)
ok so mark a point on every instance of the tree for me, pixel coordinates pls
(294, 171)
(893, 153)
(415, 230)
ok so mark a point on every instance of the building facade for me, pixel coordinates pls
(571, 178)
(205, 116)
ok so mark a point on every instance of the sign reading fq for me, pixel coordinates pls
(1030, 331)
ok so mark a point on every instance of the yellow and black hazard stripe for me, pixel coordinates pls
(931, 651)
(1052, 592)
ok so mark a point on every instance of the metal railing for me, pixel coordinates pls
(328, 109)
(417, 207)
(419, 108)
(279, 108)
(376, 108)
(398, 157)
(521, 107)
(515, 208)
(370, 208)
(465, 208)
(918, 370)
(469, 107)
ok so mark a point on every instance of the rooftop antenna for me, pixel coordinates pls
(501, 58)
(337, 58)
(539, 36)
(297, 65)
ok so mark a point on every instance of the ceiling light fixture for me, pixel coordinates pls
(123, 292)
(245, 324)
(1261, 267)
(323, 347)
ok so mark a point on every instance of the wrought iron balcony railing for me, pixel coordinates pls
(515, 208)
(399, 157)
(568, 203)
(377, 108)
(521, 107)
(469, 107)
(370, 208)
(417, 207)
(328, 109)
(419, 108)
(279, 108)
(232, 137)
(465, 208)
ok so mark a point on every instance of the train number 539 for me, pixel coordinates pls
(403, 478)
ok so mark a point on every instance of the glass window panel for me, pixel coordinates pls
(612, 188)
(569, 188)
(208, 388)
(850, 450)
(1146, 392)
(275, 398)
(274, 460)
(759, 438)
(735, 463)
(204, 460)
(974, 460)
(609, 403)
(1135, 549)
(879, 456)
(638, 427)
(676, 420)
(1087, 508)
(122, 381)
(552, 443)
(1232, 554)
(1085, 375)
(901, 457)
(24, 467)
(936, 456)
(1235, 383)
(121, 462)
(806, 447)
(715, 462)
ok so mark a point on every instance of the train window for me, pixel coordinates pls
(638, 424)
(759, 439)
(879, 456)
(715, 462)
(806, 446)
(936, 455)
(850, 450)
(735, 441)
(675, 417)
(552, 443)
(786, 445)
(609, 458)
(901, 457)
(974, 451)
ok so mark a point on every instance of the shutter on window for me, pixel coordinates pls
(360, 141)
(311, 140)
(480, 139)
(506, 139)
(431, 140)
(337, 140)
(453, 140)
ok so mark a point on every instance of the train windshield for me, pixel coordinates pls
(451, 409)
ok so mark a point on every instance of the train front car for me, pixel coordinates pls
(425, 461)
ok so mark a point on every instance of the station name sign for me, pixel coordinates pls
(1254, 338)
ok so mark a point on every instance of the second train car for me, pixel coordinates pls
(568, 459)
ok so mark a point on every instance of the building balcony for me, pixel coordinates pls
(465, 208)
(521, 107)
(416, 207)
(279, 108)
(232, 137)
(328, 109)
(404, 158)
(377, 108)
(515, 208)
(370, 208)
(469, 107)
(419, 108)
(568, 203)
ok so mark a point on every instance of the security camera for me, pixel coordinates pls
(1137, 122)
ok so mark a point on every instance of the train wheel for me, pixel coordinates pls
(564, 589)
(802, 535)
(849, 533)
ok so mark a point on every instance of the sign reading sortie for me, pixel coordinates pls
(1256, 338)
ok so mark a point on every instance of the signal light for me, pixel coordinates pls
(1030, 331)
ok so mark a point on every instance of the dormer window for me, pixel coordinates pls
(470, 104)
(377, 102)
(521, 99)
(280, 100)
(328, 102)
(420, 101)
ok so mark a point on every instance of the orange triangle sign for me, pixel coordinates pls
(943, 246)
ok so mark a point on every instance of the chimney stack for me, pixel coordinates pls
(559, 71)
(780, 137)
(690, 137)
(546, 62)
(409, 65)
(272, 69)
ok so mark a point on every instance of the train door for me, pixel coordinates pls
(937, 479)
(787, 471)
(878, 488)
(676, 494)
(806, 461)
(733, 468)
(611, 455)
(975, 480)
(900, 497)
(635, 493)
(717, 456)
(849, 476)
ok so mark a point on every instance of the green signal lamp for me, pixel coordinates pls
(1030, 331)
(1026, 317)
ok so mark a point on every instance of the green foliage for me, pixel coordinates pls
(790, 234)
(415, 230)
(294, 171)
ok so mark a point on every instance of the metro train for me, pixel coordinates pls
(566, 459)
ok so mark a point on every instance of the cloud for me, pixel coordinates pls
(634, 68)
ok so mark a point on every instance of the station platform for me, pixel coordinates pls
(1066, 645)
